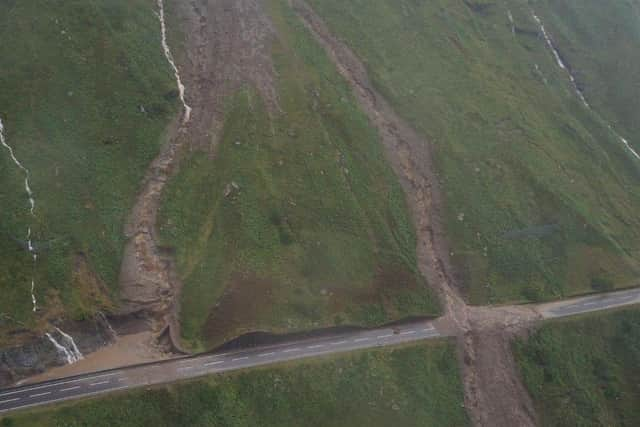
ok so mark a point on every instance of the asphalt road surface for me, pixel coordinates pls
(191, 367)
(590, 303)
(185, 368)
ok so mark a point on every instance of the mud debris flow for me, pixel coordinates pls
(32, 207)
(572, 79)
(486, 393)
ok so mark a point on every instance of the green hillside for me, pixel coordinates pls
(541, 198)
(601, 47)
(85, 95)
(297, 222)
(585, 371)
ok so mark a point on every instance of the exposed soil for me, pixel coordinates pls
(243, 303)
(494, 394)
(38, 355)
(123, 351)
(227, 46)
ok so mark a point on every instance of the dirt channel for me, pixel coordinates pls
(227, 46)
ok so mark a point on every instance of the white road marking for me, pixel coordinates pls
(28, 405)
(122, 379)
(430, 328)
(338, 342)
(407, 332)
(240, 358)
(214, 363)
(39, 394)
(266, 354)
(98, 383)
(70, 388)
(589, 303)
(291, 350)
(361, 339)
(58, 383)
(316, 346)
(9, 400)
(101, 376)
(384, 336)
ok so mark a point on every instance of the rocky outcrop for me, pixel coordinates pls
(40, 354)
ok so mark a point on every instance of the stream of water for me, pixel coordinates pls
(32, 207)
(69, 351)
(169, 56)
(577, 90)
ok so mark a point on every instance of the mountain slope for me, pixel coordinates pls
(296, 222)
(85, 95)
(540, 195)
(601, 47)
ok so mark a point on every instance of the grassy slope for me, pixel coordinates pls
(541, 200)
(602, 49)
(72, 77)
(317, 233)
(406, 386)
(585, 371)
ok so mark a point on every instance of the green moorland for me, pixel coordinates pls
(297, 221)
(601, 46)
(414, 385)
(85, 96)
(541, 199)
(585, 371)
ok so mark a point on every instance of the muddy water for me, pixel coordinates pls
(124, 351)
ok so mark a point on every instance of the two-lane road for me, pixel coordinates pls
(191, 367)
(185, 368)
(589, 303)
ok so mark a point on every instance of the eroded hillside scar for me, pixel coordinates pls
(227, 46)
(494, 394)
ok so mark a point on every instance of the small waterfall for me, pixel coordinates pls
(32, 207)
(67, 347)
(169, 56)
(513, 25)
(61, 349)
(71, 344)
(104, 319)
(625, 142)
(581, 96)
(559, 61)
